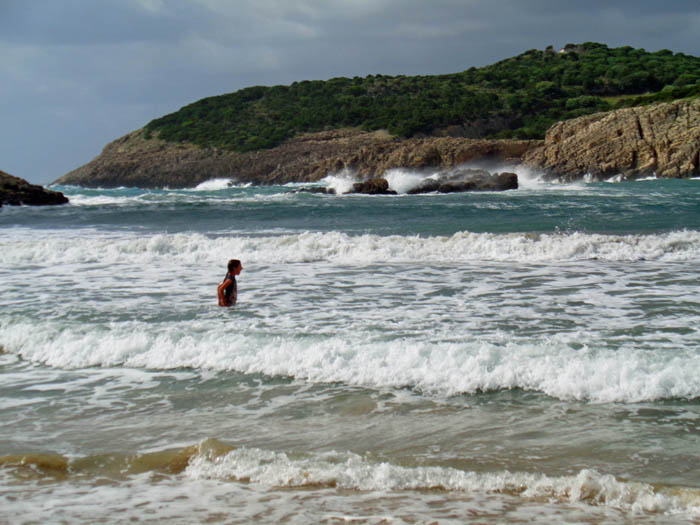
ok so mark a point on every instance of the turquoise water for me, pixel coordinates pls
(526, 355)
(641, 207)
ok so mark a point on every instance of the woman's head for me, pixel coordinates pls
(233, 265)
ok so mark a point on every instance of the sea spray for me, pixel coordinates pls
(341, 182)
(402, 181)
(214, 184)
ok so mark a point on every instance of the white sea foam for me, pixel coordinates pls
(466, 320)
(214, 184)
(350, 471)
(630, 373)
(461, 247)
(254, 485)
(341, 182)
(101, 200)
(403, 180)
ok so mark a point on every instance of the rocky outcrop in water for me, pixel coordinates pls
(463, 179)
(661, 140)
(453, 181)
(372, 187)
(15, 191)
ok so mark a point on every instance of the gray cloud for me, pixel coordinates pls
(76, 74)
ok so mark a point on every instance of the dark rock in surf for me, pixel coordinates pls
(372, 187)
(464, 179)
(500, 182)
(15, 191)
(454, 181)
(315, 189)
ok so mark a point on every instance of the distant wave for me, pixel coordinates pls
(220, 184)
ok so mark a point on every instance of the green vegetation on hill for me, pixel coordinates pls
(520, 97)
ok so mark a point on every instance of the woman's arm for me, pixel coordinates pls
(220, 292)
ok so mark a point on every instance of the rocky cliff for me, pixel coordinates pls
(661, 140)
(16, 191)
(134, 160)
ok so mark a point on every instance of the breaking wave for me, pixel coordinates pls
(553, 365)
(461, 247)
(351, 471)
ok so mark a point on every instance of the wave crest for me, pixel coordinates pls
(350, 471)
(362, 249)
(550, 366)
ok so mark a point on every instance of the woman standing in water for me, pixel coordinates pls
(228, 289)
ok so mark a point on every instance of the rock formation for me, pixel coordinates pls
(372, 187)
(661, 140)
(16, 191)
(134, 160)
(453, 181)
(462, 179)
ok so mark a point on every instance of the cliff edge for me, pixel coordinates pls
(134, 160)
(662, 140)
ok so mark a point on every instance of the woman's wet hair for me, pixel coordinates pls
(233, 264)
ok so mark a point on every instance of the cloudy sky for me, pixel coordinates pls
(76, 74)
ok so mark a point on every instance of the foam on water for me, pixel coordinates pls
(550, 365)
(200, 496)
(484, 336)
(212, 191)
(350, 471)
(99, 200)
(214, 184)
(215, 482)
(461, 247)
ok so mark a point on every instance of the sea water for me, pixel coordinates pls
(523, 356)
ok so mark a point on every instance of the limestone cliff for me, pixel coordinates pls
(134, 160)
(663, 139)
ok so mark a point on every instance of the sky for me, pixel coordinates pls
(77, 74)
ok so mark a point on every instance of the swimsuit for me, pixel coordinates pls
(231, 291)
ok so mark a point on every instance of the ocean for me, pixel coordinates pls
(522, 356)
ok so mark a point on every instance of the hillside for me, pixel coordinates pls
(585, 110)
(521, 97)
